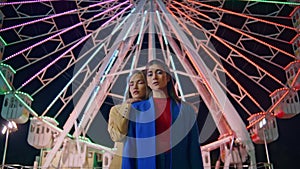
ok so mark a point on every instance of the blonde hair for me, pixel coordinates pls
(135, 72)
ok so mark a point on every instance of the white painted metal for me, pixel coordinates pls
(168, 24)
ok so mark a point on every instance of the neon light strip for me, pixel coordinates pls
(170, 56)
(269, 110)
(235, 81)
(75, 92)
(227, 45)
(176, 75)
(141, 28)
(2, 40)
(9, 67)
(110, 9)
(296, 78)
(33, 113)
(112, 18)
(55, 60)
(54, 16)
(5, 81)
(73, 78)
(100, 3)
(37, 20)
(182, 24)
(128, 30)
(238, 31)
(65, 30)
(43, 41)
(241, 15)
(293, 40)
(110, 63)
(68, 50)
(26, 106)
(294, 11)
(162, 29)
(275, 2)
(219, 39)
(24, 2)
(123, 21)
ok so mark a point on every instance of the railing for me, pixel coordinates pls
(260, 165)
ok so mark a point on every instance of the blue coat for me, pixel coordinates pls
(139, 147)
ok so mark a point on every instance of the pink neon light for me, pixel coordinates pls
(43, 41)
(54, 61)
(220, 40)
(53, 16)
(38, 20)
(110, 9)
(116, 15)
(294, 39)
(242, 15)
(24, 2)
(242, 33)
(101, 3)
(295, 9)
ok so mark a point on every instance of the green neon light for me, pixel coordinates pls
(3, 41)
(26, 105)
(276, 2)
(50, 120)
(8, 66)
(25, 94)
(5, 81)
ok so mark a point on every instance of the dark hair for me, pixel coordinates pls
(134, 72)
(171, 84)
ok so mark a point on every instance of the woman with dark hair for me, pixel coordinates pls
(118, 117)
(170, 129)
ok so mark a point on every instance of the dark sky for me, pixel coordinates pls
(284, 153)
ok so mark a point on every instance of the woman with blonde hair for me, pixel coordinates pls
(119, 114)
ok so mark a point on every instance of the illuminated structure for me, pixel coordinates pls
(74, 63)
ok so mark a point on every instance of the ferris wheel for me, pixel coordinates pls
(65, 63)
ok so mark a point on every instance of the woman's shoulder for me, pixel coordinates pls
(119, 106)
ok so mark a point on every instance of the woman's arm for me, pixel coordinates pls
(118, 122)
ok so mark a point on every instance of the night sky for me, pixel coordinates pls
(284, 153)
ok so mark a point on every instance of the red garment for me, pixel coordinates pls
(162, 123)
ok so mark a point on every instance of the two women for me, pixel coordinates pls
(162, 131)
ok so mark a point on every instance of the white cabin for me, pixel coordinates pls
(14, 107)
(40, 135)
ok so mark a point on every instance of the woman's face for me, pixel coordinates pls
(137, 86)
(157, 78)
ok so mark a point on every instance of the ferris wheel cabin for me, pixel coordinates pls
(286, 102)
(40, 135)
(6, 78)
(14, 109)
(264, 128)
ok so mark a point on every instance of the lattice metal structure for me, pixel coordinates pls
(73, 57)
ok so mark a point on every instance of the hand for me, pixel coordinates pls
(132, 100)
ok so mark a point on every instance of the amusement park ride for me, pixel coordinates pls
(65, 63)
